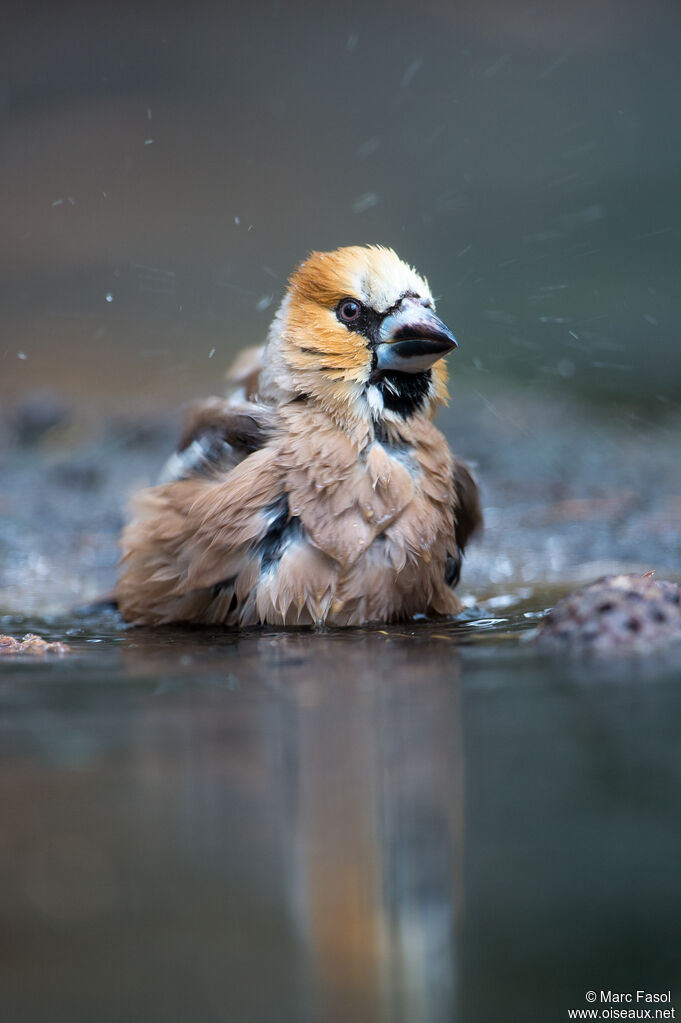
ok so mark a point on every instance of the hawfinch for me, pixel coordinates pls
(319, 492)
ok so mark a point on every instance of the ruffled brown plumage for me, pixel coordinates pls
(321, 491)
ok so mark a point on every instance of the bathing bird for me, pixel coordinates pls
(318, 492)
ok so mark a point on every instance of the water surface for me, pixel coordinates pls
(431, 822)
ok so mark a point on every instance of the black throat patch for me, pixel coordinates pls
(402, 393)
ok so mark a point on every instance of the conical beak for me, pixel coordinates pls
(412, 339)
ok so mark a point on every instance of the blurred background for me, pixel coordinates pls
(165, 166)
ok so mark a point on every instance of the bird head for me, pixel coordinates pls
(357, 334)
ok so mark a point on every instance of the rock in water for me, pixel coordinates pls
(31, 644)
(616, 614)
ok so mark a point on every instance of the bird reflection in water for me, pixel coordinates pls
(336, 794)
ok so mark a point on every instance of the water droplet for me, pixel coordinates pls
(365, 202)
(411, 72)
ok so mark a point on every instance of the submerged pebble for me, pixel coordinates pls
(616, 614)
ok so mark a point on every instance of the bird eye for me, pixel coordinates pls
(349, 310)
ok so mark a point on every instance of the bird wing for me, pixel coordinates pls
(467, 510)
(467, 517)
(217, 435)
(193, 549)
